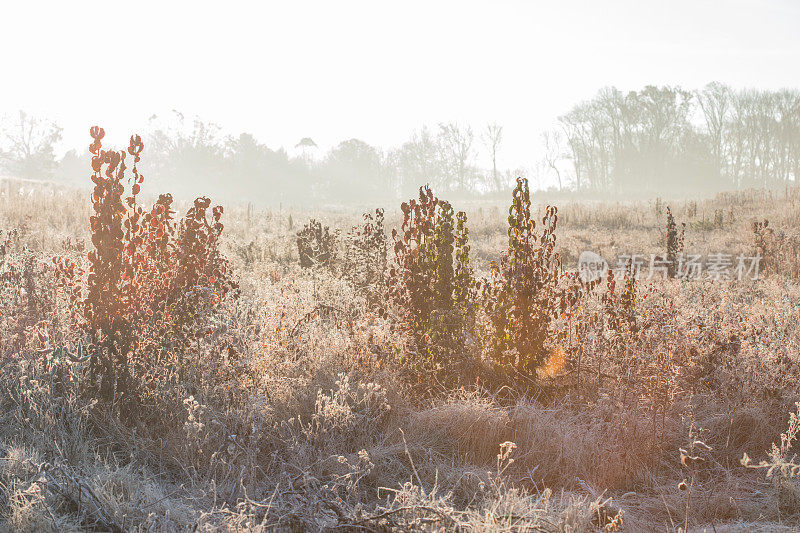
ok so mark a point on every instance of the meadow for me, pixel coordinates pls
(168, 366)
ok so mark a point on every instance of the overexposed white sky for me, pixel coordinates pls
(374, 70)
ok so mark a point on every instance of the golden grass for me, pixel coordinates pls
(320, 431)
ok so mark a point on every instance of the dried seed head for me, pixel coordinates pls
(702, 445)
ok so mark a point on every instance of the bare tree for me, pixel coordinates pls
(714, 101)
(553, 152)
(455, 144)
(788, 134)
(418, 162)
(26, 148)
(629, 140)
(492, 137)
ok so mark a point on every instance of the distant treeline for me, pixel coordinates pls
(663, 140)
(669, 139)
(352, 171)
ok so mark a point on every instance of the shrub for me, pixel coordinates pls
(762, 237)
(674, 244)
(620, 306)
(464, 285)
(27, 301)
(315, 245)
(148, 284)
(522, 296)
(432, 282)
(779, 252)
(366, 262)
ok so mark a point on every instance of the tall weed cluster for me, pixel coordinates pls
(518, 312)
(151, 283)
(366, 260)
(431, 281)
(523, 296)
(316, 245)
(674, 244)
(779, 252)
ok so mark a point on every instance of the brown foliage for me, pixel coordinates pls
(148, 283)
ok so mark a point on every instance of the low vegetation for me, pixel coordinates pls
(425, 368)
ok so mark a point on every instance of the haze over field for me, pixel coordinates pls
(378, 73)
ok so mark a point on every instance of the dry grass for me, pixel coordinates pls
(316, 427)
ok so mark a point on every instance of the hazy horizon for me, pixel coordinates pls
(334, 72)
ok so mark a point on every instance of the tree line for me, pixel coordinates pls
(657, 139)
(668, 138)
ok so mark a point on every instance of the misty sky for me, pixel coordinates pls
(334, 70)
